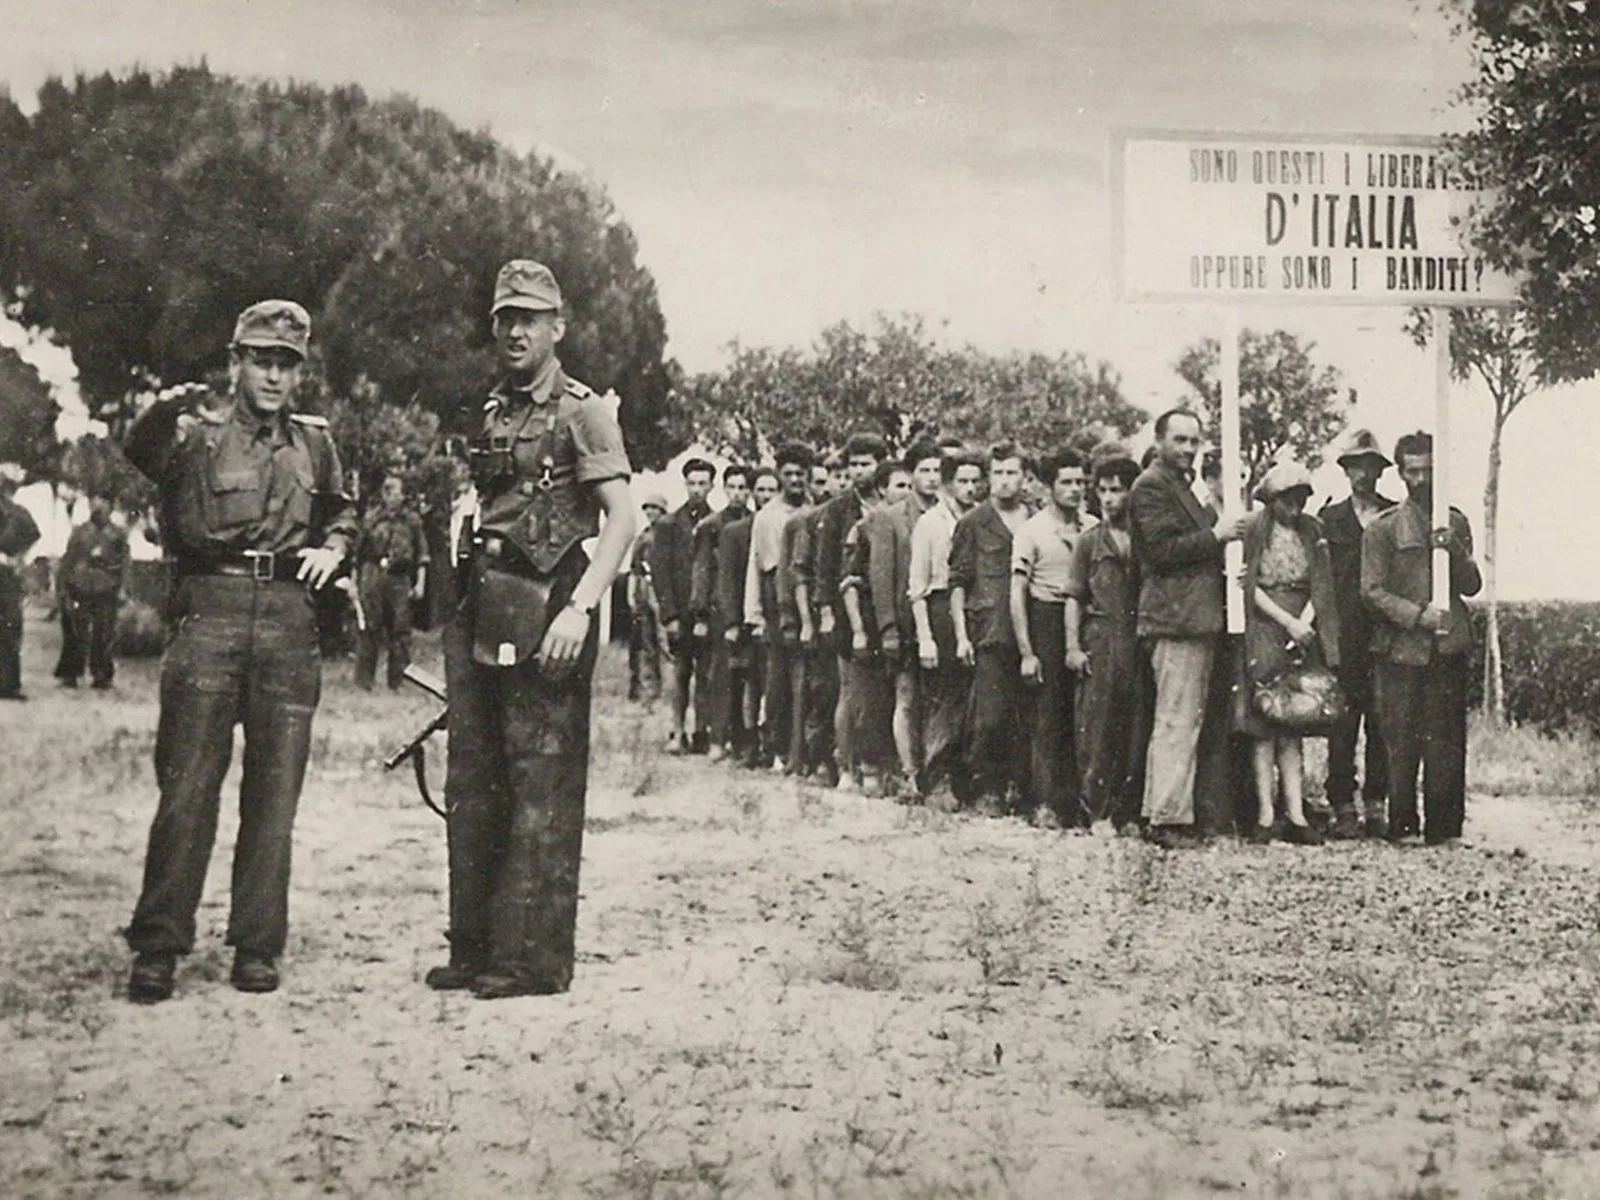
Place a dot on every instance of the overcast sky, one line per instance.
(786, 163)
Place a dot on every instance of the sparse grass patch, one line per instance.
(859, 949)
(1520, 761)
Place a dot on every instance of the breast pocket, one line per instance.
(234, 498)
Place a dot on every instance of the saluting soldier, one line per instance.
(394, 572)
(254, 517)
(548, 459)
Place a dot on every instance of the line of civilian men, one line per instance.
(902, 625)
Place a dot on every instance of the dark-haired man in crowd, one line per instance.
(945, 681)
(672, 571)
(820, 666)
(1112, 713)
(1344, 524)
(1419, 651)
(874, 722)
(887, 544)
(761, 607)
(1182, 613)
(863, 453)
(717, 707)
(1041, 575)
(980, 606)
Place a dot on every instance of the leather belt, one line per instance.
(264, 566)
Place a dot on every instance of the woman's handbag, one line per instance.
(1304, 697)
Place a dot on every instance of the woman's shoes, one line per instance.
(1302, 835)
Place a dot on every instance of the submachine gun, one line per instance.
(416, 747)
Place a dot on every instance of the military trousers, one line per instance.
(244, 653)
(10, 632)
(386, 601)
(88, 633)
(515, 792)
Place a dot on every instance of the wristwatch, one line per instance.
(576, 607)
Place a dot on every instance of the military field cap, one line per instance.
(655, 500)
(523, 283)
(1283, 477)
(1362, 443)
(274, 323)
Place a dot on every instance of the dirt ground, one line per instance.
(785, 992)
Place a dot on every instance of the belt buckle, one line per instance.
(262, 563)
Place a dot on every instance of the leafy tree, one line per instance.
(1286, 401)
(1535, 95)
(27, 415)
(897, 380)
(1498, 348)
(139, 214)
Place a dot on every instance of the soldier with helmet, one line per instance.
(254, 518)
(547, 460)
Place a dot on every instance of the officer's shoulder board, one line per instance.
(578, 389)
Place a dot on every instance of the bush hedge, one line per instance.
(1551, 652)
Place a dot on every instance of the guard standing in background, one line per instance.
(547, 460)
(254, 515)
(394, 572)
(18, 533)
(92, 576)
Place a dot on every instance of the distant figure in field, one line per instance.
(393, 575)
(17, 533)
(90, 580)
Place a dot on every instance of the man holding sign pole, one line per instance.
(1182, 613)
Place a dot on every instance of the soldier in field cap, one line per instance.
(547, 460)
(254, 518)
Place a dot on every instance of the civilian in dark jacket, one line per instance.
(1420, 652)
(1178, 543)
(980, 606)
(1343, 524)
(671, 571)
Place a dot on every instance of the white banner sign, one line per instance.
(1259, 219)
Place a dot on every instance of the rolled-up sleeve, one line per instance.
(597, 438)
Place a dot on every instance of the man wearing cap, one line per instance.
(92, 575)
(254, 516)
(394, 572)
(672, 572)
(547, 460)
(1343, 524)
(18, 533)
(644, 613)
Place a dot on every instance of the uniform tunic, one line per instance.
(244, 652)
(519, 737)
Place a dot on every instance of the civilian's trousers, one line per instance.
(1182, 670)
(1051, 752)
(1423, 714)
